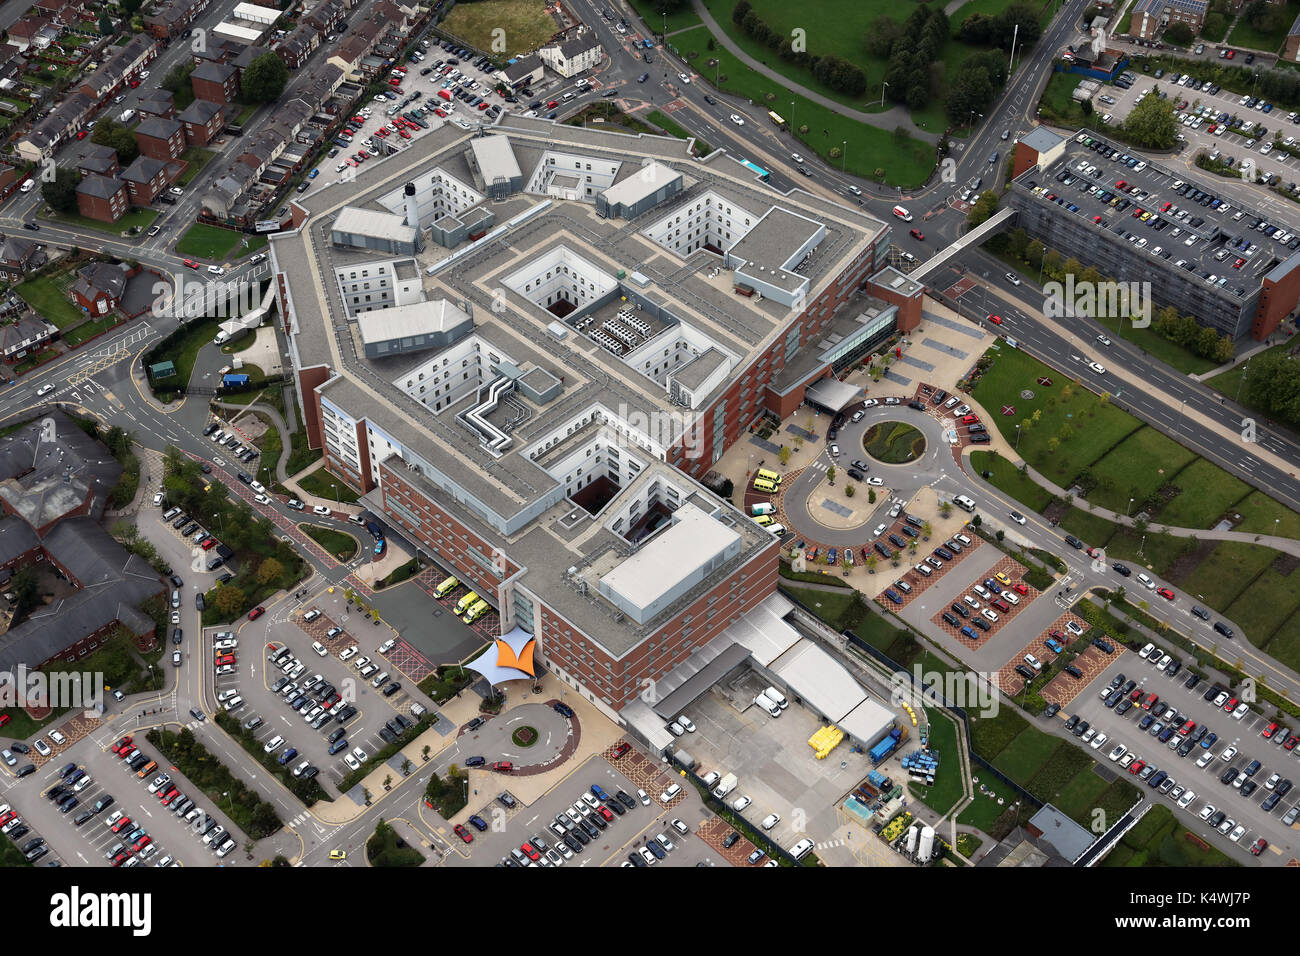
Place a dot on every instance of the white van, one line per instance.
(271, 745)
(27, 186)
(1146, 582)
(762, 508)
(902, 213)
(964, 503)
(768, 705)
(776, 697)
(311, 615)
(924, 570)
(567, 96)
(776, 529)
(801, 849)
(380, 678)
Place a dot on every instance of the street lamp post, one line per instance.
(221, 522)
(1129, 508)
(1017, 438)
(336, 493)
(844, 155)
(883, 86)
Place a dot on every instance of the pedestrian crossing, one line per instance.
(831, 844)
(299, 819)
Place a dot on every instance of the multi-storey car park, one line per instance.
(1138, 221)
(525, 348)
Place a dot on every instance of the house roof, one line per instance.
(29, 329)
(102, 278)
(16, 249)
(213, 72)
(100, 186)
(200, 111)
(158, 127)
(143, 170)
(41, 480)
(98, 159)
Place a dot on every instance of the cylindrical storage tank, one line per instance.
(927, 844)
(911, 838)
(412, 208)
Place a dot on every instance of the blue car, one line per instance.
(831, 555)
(338, 745)
(893, 596)
(654, 847)
(478, 823)
(1209, 740)
(993, 585)
(598, 793)
(475, 761)
(1053, 644)
(313, 174)
(564, 710)
(288, 755)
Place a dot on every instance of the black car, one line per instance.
(961, 609)
(1104, 646)
(346, 714)
(1072, 722)
(506, 800)
(643, 77)
(730, 840)
(1223, 629)
(626, 799)
(1124, 706)
(387, 735)
(1228, 775)
(1214, 691)
(1080, 728)
(1051, 710)
(617, 807)
(1122, 569)
(1074, 542)
(979, 622)
(949, 619)
(392, 689)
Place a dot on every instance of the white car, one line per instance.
(45, 389)
(322, 511)
(176, 191)
(686, 723)
(262, 499)
(1238, 832)
(1207, 811)
(990, 614)
(1241, 711)
(736, 119)
(349, 653)
(1119, 751)
(1097, 368)
(1017, 517)
(1103, 340)
(1099, 741)
(159, 498)
(258, 487)
(873, 480)
(1228, 753)
(683, 77)
(352, 762)
(1204, 759)
(796, 157)
(1187, 797)
(740, 803)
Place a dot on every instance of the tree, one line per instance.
(105, 25)
(872, 562)
(830, 474)
(784, 455)
(1034, 251)
(269, 571)
(229, 599)
(178, 77)
(926, 530)
(881, 37)
(61, 192)
(407, 767)
(109, 132)
(871, 496)
(739, 10)
(983, 208)
(945, 508)
(1152, 123)
(264, 79)
(1179, 34)
(850, 490)
(424, 753)
(26, 588)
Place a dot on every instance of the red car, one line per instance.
(464, 834)
(208, 543)
(256, 612)
(504, 766)
(1230, 54)
(1122, 184)
(172, 794)
(1150, 701)
(1136, 695)
(604, 812)
(621, 749)
(134, 84)
(190, 262)
(1165, 593)
(143, 842)
(119, 859)
(1291, 742)
(1021, 588)
(122, 744)
(121, 824)
(4, 719)
(404, 134)
(552, 104)
(1231, 705)
(530, 852)
(917, 234)
(1269, 731)
(81, 134)
(225, 659)
(1001, 605)
(400, 69)
(1097, 220)
(1258, 847)
(995, 319)
(1136, 767)
(970, 419)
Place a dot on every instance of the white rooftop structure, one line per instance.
(244, 35)
(416, 318)
(826, 686)
(370, 222)
(670, 564)
(256, 13)
(495, 158)
(645, 182)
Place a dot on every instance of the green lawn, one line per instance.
(1090, 427)
(1245, 35)
(947, 789)
(893, 442)
(1006, 477)
(197, 159)
(869, 148)
(141, 219)
(1266, 515)
(1022, 758)
(1160, 840)
(841, 611)
(526, 23)
(679, 19)
(1265, 608)
(48, 297)
(1208, 492)
(1227, 571)
(202, 241)
(1228, 383)
(88, 330)
(338, 543)
(985, 809)
(324, 484)
(1136, 468)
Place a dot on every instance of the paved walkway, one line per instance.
(888, 120)
(1243, 356)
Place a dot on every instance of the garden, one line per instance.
(893, 442)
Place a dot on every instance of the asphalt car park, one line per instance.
(578, 824)
(1152, 737)
(303, 700)
(27, 838)
(1228, 142)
